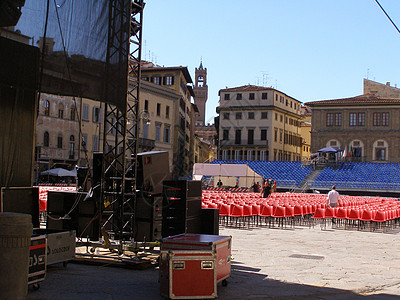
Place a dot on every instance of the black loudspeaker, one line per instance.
(210, 221)
(148, 217)
(181, 207)
(24, 200)
(69, 211)
(152, 170)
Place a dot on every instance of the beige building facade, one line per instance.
(258, 123)
(367, 126)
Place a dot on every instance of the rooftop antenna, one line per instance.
(145, 50)
(265, 78)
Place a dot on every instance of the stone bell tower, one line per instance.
(201, 93)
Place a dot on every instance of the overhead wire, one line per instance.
(377, 2)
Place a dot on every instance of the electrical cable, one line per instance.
(387, 16)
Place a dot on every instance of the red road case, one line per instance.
(219, 245)
(188, 274)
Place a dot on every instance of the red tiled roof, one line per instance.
(358, 100)
(246, 88)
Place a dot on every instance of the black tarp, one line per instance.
(82, 27)
(18, 79)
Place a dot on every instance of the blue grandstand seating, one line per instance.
(346, 175)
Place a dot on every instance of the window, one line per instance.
(280, 136)
(377, 119)
(145, 78)
(276, 97)
(96, 114)
(238, 116)
(251, 115)
(361, 119)
(47, 108)
(353, 119)
(225, 135)
(226, 97)
(338, 119)
(84, 141)
(239, 96)
(291, 104)
(238, 136)
(85, 115)
(72, 116)
(276, 136)
(146, 105)
(264, 96)
(357, 119)
(158, 109)
(61, 111)
(166, 134)
(380, 154)
(263, 134)
(59, 141)
(276, 117)
(251, 96)
(264, 115)
(385, 119)
(329, 119)
(71, 147)
(200, 81)
(281, 118)
(169, 80)
(167, 112)
(46, 139)
(250, 136)
(95, 143)
(157, 80)
(226, 116)
(145, 130)
(158, 132)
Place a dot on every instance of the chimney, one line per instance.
(388, 83)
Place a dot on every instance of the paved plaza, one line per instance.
(269, 263)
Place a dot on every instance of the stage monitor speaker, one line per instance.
(210, 221)
(152, 170)
(68, 211)
(24, 200)
(182, 189)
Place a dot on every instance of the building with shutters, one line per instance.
(258, 123)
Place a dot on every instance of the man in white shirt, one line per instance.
(333, 197)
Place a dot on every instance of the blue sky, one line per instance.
(308, 49)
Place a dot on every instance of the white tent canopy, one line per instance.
(228, 174)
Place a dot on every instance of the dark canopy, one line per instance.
(329, 150)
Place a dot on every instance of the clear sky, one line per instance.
(309, 49)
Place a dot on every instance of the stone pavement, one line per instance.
(269, 263)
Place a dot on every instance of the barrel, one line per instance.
(15, 239)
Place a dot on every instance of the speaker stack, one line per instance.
(181, 207)
(69, 211)
(148, 217)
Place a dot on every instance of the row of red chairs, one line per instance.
(290, 205)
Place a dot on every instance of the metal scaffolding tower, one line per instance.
(120, 140)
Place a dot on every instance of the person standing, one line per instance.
(333, 197)
(266, 190)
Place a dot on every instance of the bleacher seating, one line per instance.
(285, 173)
(345, 175)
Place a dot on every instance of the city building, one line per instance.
(179, 110)
(258, 123)
(365, 127)
(305, 133)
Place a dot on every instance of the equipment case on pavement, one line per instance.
(37, 260)
(219, 245)
(188, 274)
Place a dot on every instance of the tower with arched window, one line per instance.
(201, 93)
